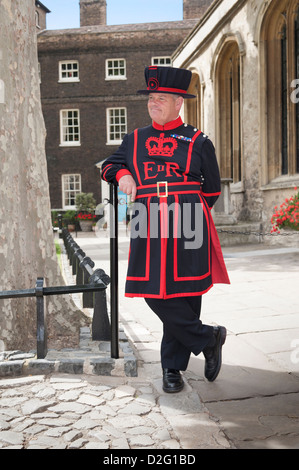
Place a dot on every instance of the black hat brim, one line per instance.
(147, 92)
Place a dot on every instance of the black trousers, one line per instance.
(183, 331)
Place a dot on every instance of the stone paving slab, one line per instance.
(87, 412)
(260, 310)
(260, 422)
(253, 404)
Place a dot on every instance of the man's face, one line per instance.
(164, 107)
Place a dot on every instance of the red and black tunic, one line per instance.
(176, 170)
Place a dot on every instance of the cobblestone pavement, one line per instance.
(70, 412)
(84, 411)
(252, 404)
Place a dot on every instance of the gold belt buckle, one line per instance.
(165, 190)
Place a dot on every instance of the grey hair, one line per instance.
(175, 96)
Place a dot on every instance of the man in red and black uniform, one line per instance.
(170, 170)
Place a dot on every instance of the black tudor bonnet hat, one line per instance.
(167, 80)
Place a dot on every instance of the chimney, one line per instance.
(195, 8)
(93, 12)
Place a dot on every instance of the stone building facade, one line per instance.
(244, 55)
(89, 81)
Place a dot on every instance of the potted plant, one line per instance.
(69, 219)
(54, 216)
(85, 204)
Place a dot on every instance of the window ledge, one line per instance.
(236, 187)
(115, 78)
(115, 142)
(70, 144)
(72, 80)
(282, 182)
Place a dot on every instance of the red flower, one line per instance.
(82, 216)
(287, 215)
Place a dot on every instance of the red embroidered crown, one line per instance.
(161, 146)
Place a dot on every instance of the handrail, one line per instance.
(91, 281)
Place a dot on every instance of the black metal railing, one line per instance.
(40, 291)
(82, 269)
(92, 284)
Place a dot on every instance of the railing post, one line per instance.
(59, 225)
(79, 256)
(101, 329)
(41, 324)
(88, 297)
(114, 271)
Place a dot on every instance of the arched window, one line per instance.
(37, 18)
(193, 106)
(284, 102)
(280, 108)
(228, 115)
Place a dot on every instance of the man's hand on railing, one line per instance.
(128, 186)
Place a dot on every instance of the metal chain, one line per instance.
(120, 201)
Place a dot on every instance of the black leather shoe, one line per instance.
(213, 354)
(172, 381)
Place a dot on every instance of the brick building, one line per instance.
(40, 15)
(89, 79)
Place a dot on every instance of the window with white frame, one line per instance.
(160, 61)
(71, 186)
(69, 71)
(116, 69)
(69, 127)
(116, 125)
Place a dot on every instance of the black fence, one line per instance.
(40, 292)
(92, 284)
(82, 268)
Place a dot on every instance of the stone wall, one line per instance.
(26, 238)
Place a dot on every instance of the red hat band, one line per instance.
(167, 90)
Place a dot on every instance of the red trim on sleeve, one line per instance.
(105, 171)
(122, 173)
